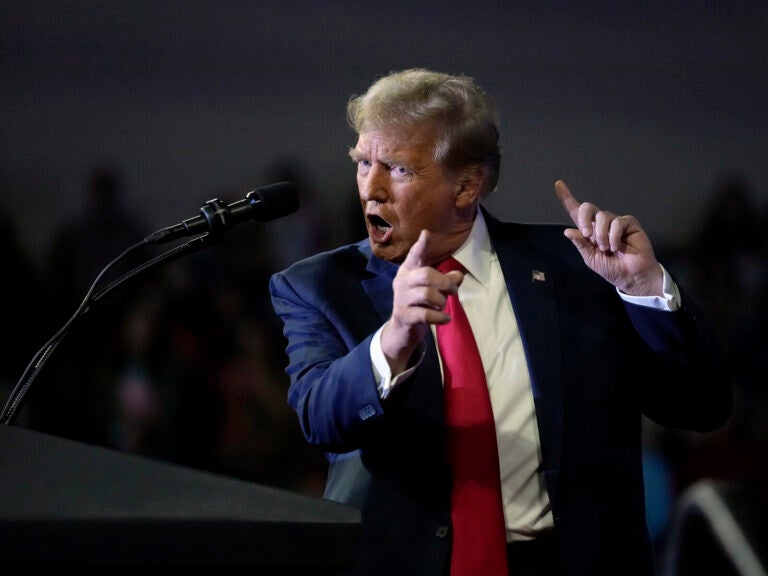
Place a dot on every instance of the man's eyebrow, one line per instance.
(355, 154)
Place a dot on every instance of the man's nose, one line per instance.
(374, 185)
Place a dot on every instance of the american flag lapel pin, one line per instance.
(538, 276)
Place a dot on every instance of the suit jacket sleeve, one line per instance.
(328, 324)
(695, 391)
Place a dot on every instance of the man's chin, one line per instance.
(387, 251)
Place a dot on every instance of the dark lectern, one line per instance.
(62, 500)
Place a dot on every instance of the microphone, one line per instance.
(263, 204)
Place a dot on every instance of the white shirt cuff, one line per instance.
(669, 302)
(385, 381)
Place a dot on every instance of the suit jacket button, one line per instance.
(366, 412)
(442, 532)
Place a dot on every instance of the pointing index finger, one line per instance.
(570, 203)
(418, 252)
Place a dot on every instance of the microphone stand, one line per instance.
(16, 398)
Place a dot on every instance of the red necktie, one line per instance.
(479, 533)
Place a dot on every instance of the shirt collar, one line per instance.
(475, 253)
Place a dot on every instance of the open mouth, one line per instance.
(379, 229)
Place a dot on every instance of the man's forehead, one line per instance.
(396, 142)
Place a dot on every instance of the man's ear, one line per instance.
(470, 186)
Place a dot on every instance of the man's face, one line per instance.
(404, 190)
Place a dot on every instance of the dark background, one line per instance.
(637, 105)
(118, 118)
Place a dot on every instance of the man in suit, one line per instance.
(580, 332)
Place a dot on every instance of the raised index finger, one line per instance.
(418, 252)
(570, 203)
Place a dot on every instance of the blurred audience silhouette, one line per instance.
(729, 259)
(725, 264)
(72, 397)
(20, 294)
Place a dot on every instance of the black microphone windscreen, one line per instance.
(274, 201)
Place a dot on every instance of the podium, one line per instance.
(65, 501)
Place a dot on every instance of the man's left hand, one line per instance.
(615, 247)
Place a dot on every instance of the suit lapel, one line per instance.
(530, 281)
(378, 287)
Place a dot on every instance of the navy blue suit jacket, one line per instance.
(597, 365)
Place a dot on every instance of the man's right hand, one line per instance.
(419, 297)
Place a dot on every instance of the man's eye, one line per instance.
(399, 170)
